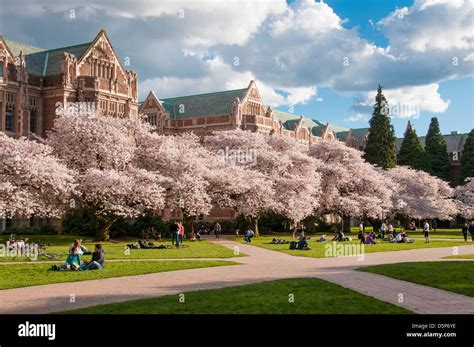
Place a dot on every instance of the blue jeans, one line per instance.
(175, 238)
(93, 265)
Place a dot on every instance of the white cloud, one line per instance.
(357, 117)
(221, 77)
(431, 25)
(408, 102)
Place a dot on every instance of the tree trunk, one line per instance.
(346, 224)
(253, 221)
(102, 234)
(310, 222)
(188, 222)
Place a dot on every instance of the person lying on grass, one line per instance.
(73, 261)
(146, 245)
(98, 260)
(276, 241)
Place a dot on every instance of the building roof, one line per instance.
(358, 133)
(44, 62)
(455, 142)
(47, 62)
(201, 105)
(290, 120)
(16, 47)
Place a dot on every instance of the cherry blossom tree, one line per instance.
(420, 195)
(102, 151)
(351, 186)
(297, 181)
(32, 181)
(465, 198)
(183, 162)
(278, 176)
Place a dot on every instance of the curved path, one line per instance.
(260, 265)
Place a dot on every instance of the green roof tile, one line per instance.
(201, 105)
(16, 47)
(455, 142)
(47, 62)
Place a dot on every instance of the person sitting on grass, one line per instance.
(196, 236)
(322, 238)
(370, 239)
(80, 248)
(73, 261)
(248, 236)
(98, 260)
(339, 236)
(303, 244)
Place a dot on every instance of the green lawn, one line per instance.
(311, 296)
(465, 256)
(453, 276)
(25, 275)
(116, 250)
(318, 248)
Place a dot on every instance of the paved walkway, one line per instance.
(261, 265)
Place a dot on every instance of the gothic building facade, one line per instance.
(34, 82)
(243, 108)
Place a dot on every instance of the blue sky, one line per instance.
(458, 117)
(324, 59)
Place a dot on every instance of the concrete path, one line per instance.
(261, 265)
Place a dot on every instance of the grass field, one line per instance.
(26, 275)
(319, 251)
(117, 250)
(311, 296)
(465, 256)
(453, 276)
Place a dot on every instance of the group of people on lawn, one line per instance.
(74, 261)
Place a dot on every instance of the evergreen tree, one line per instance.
(381, 142)
(411, 152)
(467, 159)
(437, 150)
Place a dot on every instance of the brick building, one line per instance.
(35, 81)
(231, 109)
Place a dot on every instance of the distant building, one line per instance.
(455, 142)
(243, 108)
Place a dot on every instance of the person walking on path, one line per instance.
(217, 230)
(426, 231)
(174, 228)
(465, 229)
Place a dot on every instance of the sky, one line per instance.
(322, 59)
